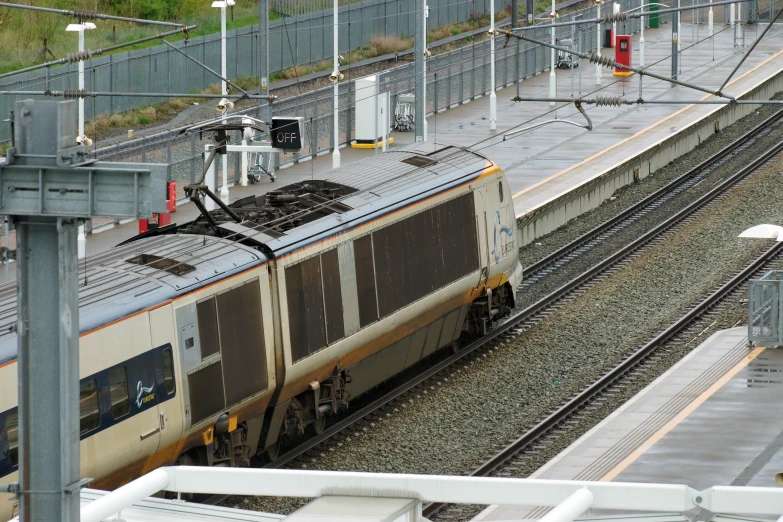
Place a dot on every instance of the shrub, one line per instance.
(385, 44)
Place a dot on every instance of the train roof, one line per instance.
(136, 276)
(300, 214)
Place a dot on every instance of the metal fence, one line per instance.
(764, 306)
(453, 78)
(301, 39)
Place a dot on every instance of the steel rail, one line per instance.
(525, 315)
(652, 198)
(589, 393)
(633, 360)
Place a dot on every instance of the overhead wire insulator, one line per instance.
(79, 56)
(609, 101)
(85, 14)
(70, 94)
(602, 60)
(615, 17)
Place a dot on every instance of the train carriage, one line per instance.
(210, 342)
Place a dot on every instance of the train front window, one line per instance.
(118, 391)
(168, 370)
(12, 429)
(88, 405)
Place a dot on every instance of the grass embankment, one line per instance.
(22, 32)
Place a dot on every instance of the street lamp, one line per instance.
(552, 75)
(493, 102)
(336, 77)
(81, 139)
(222, 4)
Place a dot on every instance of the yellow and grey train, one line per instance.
(210, 342)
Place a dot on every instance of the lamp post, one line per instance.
(335, 79)
(81, 138)
(552, 75)
(493, 101)
(598, 44)
(222, 4)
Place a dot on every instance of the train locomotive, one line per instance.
(211, 342)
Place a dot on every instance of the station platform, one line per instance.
(554, 160)
(712, 419)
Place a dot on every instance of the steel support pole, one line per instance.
(336, 94)
(263, 66)
(493, 100)
(552, 75)
(48, 366)
(710, 21)
(224, 85)
(598, 44)
(418, 59)
(82, 240)
(424, 67)
(530, 11)
(211, 176)
(514, 13)
(675, 39)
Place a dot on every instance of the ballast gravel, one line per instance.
(452, 424)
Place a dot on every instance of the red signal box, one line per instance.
(622, 55)
(164, 218)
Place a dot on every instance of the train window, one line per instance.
(333, 298)
(305, 307)
(429, 250)
(118, 391)
(12, 430)
(242, 341)
(207, 327)
(365, 280)
(88, 405)
(168, 370)
(500, 189)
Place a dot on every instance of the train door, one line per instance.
(481, 228)
(170, 416)
(143, 386)
(500, 233)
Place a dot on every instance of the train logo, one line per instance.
(143, 394)
(502, 244)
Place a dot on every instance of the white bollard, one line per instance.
(243, 167)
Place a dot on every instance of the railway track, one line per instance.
(517, 323)
(693, 322)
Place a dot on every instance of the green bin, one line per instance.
(653, 18)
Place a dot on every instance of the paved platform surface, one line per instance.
(551, 160)
(710, 420)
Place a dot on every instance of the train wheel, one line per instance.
(272, 452)
(317, 427)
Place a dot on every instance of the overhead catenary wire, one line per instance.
(143, 143)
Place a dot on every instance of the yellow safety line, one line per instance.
(627, 461)
(641, 131)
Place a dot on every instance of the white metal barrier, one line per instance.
(570, 498)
